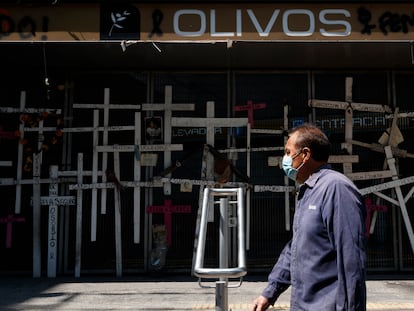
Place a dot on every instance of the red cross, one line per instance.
(167, 209)
(250, 107)
(6, 135)
(9, 220)
(370, 208)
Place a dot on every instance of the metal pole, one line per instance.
(221, 296)
(221, 286)
(224, 234)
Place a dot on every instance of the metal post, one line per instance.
(221, 286)
(222, 301)
(224, 234)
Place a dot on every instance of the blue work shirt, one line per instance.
(325, 260)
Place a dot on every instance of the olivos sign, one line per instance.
(208, 22)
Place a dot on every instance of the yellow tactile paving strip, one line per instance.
(370, 306)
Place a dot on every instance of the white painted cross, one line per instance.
(396, 183)
(117, 204)
(95, 172)
(168, 107)
(106, 106)
(37, 252)
(349, 107)
(210, 123)
(117, 211)
(390, 140)
(79, 198)
(53, 201)
(20, 110)
(137, 149)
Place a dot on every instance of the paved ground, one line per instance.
(164, 293)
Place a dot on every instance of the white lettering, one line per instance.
(324, 20)
(362, 122)
(197, 33)
(260, 31)
(213, 27)
(305, 33)
(290, 19)
(239, 31)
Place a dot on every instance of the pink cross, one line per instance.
(250, 107)
(370, 208)
(9, 220)
(6, 135)
(167, 209)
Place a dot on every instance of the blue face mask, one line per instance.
(289, 170)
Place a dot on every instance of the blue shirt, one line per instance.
(325, 260)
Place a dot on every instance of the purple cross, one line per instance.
(167, 209)
(371, 208)
(250, 107)
(9, 220)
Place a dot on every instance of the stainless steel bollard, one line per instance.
(223, 272)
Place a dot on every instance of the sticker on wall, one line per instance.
(119, 22)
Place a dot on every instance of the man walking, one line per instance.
(324, 263)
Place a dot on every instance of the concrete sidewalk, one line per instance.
(167, 293)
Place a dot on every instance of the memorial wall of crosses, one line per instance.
(119, 165)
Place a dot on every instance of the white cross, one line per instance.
(20, 110)
(168, 107)
(106, 106)
(349, 106)
(390, 140)
(210, 123)
(137, 167)
(95, 173)
(53, 200)
(396, 183)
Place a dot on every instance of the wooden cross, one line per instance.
(210, 123)
(168, 107)
(53, 201)
(349, 106)
(371, 207)
(391, 140)
(96, 129)
(396, 183)
(106, 106)
(168, 209)
(116, 149)
(5, 164)
(137, 149)
(250, 107)
(20, 110)
(9, 220)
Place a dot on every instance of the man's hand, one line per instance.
(260, 304)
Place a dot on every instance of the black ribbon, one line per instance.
(157, 17)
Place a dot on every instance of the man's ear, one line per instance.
(307, 153)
